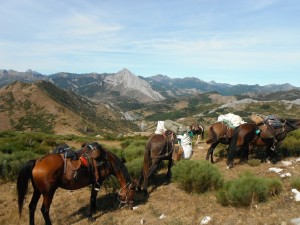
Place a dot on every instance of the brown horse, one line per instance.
(158, 148)
(218, 133)
(48, 173)
(197, 130)
(248, 135)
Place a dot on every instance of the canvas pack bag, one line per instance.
(257, 119)
(175, 127)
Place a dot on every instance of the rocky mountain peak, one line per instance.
(124, 79)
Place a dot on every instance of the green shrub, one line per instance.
(125, 143)
(295, 183)
(274, 186)
(134, 167)
(196, 176)
(248, 189)
(253, 162)
(291, 144)
(134, 150)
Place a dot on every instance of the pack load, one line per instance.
(173, 126)
(258, 119)
(231, 120)
(273, 121)
(160, 128)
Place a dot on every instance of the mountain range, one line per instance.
(68, 103)
(124, 86)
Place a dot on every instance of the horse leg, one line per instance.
(140, 180)
(93, 205)
(230, 158)
(32, 205)
(211, 151)
(144, 176)
(148, 174)
(198, 139)
(46, 206)
(271, 155)
(170, 163)
(244, 154)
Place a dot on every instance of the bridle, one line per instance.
(126, 202)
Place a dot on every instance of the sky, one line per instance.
(226, 41)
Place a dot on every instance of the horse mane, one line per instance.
(117, 164)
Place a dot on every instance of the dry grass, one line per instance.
(166, 198)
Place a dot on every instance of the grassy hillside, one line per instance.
(45, 108)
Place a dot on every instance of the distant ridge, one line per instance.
(125, 86)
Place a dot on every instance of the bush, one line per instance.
(291, 144)
(134, 150)
(196, 176)
(295, 183)
(248, 189)
(134, 167)
(274, 186)
(254, 162)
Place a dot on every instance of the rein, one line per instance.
(125, 202)
(120, 168)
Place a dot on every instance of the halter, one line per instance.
(125, 202)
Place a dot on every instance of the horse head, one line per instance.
(126, 194)
(291, 124)
(127, 190)
(197, 129)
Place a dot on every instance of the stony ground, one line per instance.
(166, 200)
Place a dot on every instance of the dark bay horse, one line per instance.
(199, 131)
(248, 135)
(217, 133)
(48, 173)
(159, 147)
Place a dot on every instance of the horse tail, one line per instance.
(212, 136)
(202, 133)
(232, 147)
(22, 182)
(234, 139)
(147, 156)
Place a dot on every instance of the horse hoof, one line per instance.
(91, 219)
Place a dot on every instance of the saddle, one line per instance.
(71, 168)
(72, 161)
